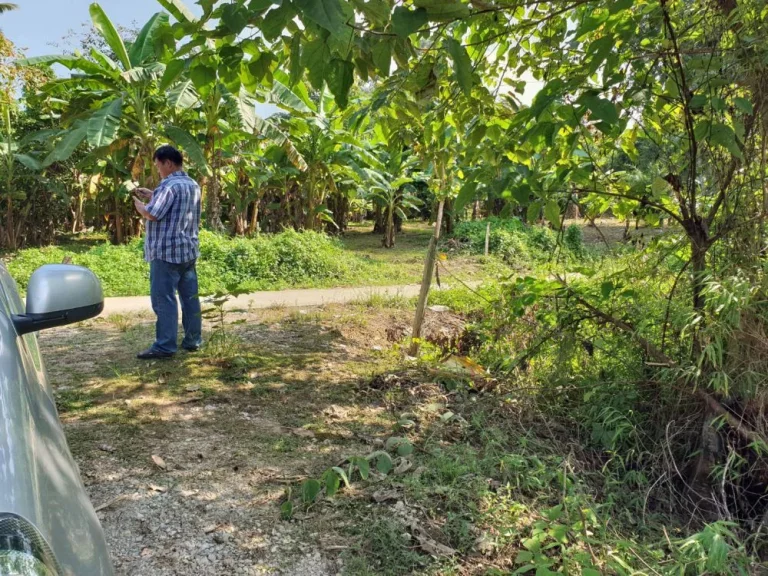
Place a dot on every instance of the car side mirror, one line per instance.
(59, 294)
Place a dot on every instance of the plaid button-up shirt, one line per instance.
(173, 237)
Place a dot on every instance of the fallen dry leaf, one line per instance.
(303, 433)
(383, 495)
(193, 388)
(434, 548)
(159, 462)
(111, 502)
(156, 488)
(403, 466)
(210, 528)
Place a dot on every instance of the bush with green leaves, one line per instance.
(516, 242)
(267, 262)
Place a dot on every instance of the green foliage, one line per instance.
(264, 263)
(517, 243)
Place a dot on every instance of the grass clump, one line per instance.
(276, 261)
(516, 242)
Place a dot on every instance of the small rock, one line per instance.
(106, 448)
(222, 537)
(438, 308)
(377, 348)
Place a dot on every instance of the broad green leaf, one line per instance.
(286, 510)
(69, 62)
(104, 25)
(606, 289)
(234, 17)
(381, 52)
(598, 51)
(261, 5)
(296, 69)
(317, 58)
(552, 213)
(620, 5)
(269, 130)
(659, 187)
(173, 70)
(103, 60)
(724, 136)
(744, 105)
(466, 195)
(332, 483)
(532, 214)
(362, 465)
(443, 10)
(103, 125)
(375, 11)
(462, 65)
(183, 96)
(284, 97)
(152, 71)
(602, 109)
(178, 10)
(143, 48)
(551, 91)
(242, 110)
(698, 101)
(341, 76)
(67, 145)
(523, 557)
(309, 490)
(384, 463)
(405, 22)
(702, 129)
(28, 161)
(202, 76)
(342, 475)
(190, 145)
(328, 14)
(261, 67)
(276, 20)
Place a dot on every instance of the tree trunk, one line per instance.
(475, 210)
(379, 223)
(389, 235)
(253, 227)
(572, 212)
(426, 282)
(487, 237)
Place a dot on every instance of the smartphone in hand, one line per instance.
(143, 193)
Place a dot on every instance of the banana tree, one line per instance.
(392, 189)
(113, 105)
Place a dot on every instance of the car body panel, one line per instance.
(39, 480)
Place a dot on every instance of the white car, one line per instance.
(47, 524)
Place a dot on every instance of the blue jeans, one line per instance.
(165, 279)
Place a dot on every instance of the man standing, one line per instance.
(171, 247)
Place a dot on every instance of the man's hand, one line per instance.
(144, 193)
(141, 208)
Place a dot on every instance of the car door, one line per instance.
(39, 478)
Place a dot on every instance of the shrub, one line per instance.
(268, 262)
(515, 242)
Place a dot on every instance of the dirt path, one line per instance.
(276, 397)
(282, 298)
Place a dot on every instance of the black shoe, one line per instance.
(150, 354)
(191, 349)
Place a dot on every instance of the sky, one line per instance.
(37, 23)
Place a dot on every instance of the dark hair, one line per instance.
(168, 153)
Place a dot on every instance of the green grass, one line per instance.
(270, 262)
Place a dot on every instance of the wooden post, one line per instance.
(426, 281)
(487, 236)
